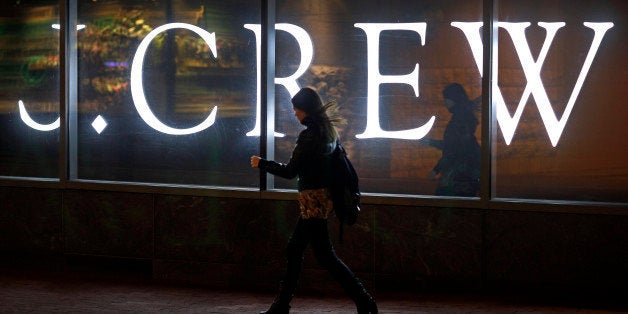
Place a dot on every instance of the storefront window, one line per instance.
(560, 109)
(29, 89)
(387, 66)
(167, 91)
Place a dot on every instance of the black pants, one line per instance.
(315, 232)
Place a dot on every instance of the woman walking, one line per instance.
(310, 163)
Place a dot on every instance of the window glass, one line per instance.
(167, 91)
(561, 134)
(29, 89)
(395, 131)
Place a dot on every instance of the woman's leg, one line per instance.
(325, 254)
(294, 255)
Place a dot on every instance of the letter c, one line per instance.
(137, 87)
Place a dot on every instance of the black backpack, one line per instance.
(344, 188)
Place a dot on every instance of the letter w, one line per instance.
(532, 71)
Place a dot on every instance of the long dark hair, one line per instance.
(327, 116)
(459, 96)
(330, 118)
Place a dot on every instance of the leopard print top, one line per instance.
(315, 203)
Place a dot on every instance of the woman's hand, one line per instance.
(255, 161)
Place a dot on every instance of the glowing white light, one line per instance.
(307, 54)
(471, 30)
(78, 27)
(375, 78)
(30, 122)
(256, 28)
(99, 124)
(137, 87)
(532, 70)
(290, 83)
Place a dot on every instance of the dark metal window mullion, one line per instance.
(489, 41)
(68, 91)
(267, 110)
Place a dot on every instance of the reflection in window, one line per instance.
(184, 77)
(559, 116)
(29, 89)
(340, 71)
(585, 158)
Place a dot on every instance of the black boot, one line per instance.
(366, 304)
(277, 308)
(281, 304)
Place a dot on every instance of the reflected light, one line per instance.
(471, 31)
(375, 79)
(115, 64)
(30, 122)
(534, 86)
(532, 71)
(99, 124)
(137, 86)
(78, 27)
(307, 54)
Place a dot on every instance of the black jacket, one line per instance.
(310, 160)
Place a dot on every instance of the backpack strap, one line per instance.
(341, 223)
(341, 231)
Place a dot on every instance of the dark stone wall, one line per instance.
(30, 221)
(238, 243)
(108, 223)
(525, 248)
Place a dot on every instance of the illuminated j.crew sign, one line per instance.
(508, 124)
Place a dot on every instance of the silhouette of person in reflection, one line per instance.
(458, 170)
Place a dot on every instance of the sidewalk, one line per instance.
(56, 294)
